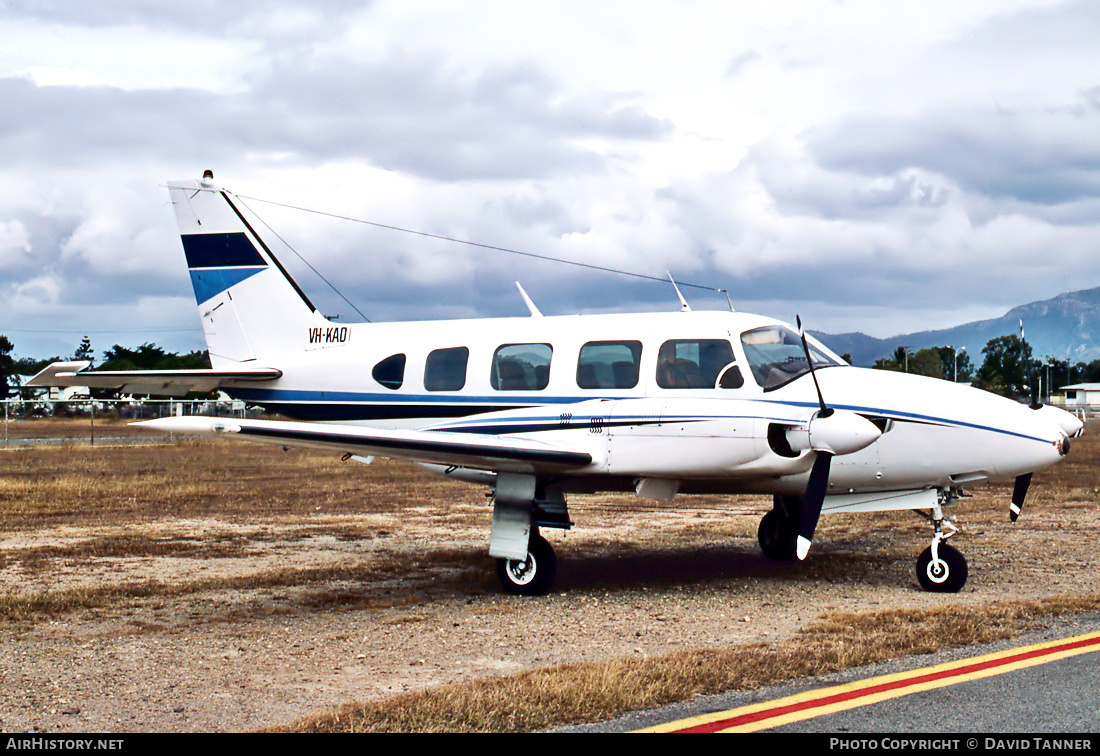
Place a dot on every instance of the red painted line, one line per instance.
(889, 686)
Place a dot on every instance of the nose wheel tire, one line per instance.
(944, 575)
(532, 576)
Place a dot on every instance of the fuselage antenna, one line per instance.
(527, 300)
(684, 307)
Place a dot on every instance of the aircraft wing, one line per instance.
(484, 452)
(156, 382)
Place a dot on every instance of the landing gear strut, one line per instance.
(526, 564)
(941, 568)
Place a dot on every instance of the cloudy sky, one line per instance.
(884, 167)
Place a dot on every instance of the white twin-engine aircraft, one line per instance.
(540, 407)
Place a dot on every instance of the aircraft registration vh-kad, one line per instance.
(537, 408)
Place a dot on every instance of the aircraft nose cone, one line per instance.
(1052, 428)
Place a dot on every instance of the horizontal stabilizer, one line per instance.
(154, 382)
(434, 447)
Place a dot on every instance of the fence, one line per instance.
(19, 413)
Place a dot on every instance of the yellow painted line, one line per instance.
(816, 703)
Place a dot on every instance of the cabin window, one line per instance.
(731, 378)
(776, 356)
(390, 372)
(521, 367)
(445, 369)
(609, 364)
(696, 364)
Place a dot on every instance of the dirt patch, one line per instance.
(217, 587)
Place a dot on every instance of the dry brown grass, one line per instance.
(68, 510)
(557, 696)
(80, 484)
(324, 589)
(78, 428)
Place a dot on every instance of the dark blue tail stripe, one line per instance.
(220, 251)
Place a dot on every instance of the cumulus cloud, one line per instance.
(841, 160)
(15, 244)
(1042, 156)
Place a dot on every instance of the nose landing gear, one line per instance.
(940, 567)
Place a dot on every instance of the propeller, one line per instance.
(1019, 490)
(818, 484)
(829, 432)
(1035, 404)
(1019, 493)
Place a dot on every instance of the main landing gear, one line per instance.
(532, 576)
(526, 564)
(778, 529)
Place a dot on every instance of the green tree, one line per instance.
(901, 357)
(31, 366)
(926, 362)
(895, 361)
(1005, 369)
(151, 357)
(84, 351)
(1085, 373)
(950, 357)
(7, 367)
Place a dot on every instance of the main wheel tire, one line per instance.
(948, 575)
(777, 536)
(532, 576)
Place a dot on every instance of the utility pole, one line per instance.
(955, 374)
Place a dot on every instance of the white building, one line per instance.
(1084, 397)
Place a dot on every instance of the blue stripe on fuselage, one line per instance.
(344, 405)
(912, 417)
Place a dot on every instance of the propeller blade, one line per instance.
(1033, 389)
(816, 489)
(1019, 493)
(818, 485)
(825, 411)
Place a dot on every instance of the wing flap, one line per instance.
(486, 452)
(156, 382)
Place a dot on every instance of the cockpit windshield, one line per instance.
(776, 358)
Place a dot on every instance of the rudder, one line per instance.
(249, 305)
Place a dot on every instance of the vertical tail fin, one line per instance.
(250, 306)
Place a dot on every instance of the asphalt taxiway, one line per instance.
(1047, 681)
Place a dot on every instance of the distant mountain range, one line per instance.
(1066, 327)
